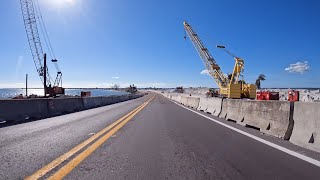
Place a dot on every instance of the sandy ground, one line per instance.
(306, 95)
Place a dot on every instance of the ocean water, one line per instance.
(10, 93)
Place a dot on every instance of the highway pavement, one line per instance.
(146, 138)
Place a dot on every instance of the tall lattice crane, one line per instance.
(31, 13)
(229, 87)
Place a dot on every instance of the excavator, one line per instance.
(230, 87)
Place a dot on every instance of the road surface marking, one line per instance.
(66, 169)
(283, 149)
(44, 170)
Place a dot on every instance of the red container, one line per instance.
(260, 96)
(293, 95)
(267, 95)
(85, 93)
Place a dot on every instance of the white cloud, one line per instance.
(204, 72)
(116, 77)
(299, 67)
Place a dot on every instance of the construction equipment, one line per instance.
(31, 13)
(266, 95)
(293, 95)
(179, 89)
(212, 93)
(132, 89)
(229, 87)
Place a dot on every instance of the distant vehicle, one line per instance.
(212, 93)
(179, 89)
(132, 89)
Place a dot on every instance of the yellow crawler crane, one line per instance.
(230, 87)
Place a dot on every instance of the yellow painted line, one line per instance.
(44, 170)
(65, 170)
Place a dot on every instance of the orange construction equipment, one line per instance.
(293, 95)
(267, 95)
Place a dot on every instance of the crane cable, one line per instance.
(44, 30)
(46, 36)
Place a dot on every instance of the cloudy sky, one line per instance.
(101, 43)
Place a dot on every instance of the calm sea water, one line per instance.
(10, 93)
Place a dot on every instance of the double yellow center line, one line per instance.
(66, 169)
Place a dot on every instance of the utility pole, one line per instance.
(45, 73)
(27, 85)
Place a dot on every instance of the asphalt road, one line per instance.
(162, 141)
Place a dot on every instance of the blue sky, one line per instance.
(99, 43)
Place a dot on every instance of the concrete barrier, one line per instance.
(203, 104)
(232, 110)
(92, 102)
(124, 98)
(32, 109)
(135, 96)
(306, 130)
(184, 100)
(24, 109)
(270, 117)
(106, 100)
(174, 97)
(214, 106)
(115, 99)
(193, 102)
(178, 98)
(58, 106)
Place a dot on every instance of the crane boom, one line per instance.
(39, 57)
(211, 65)
(30, 23)
(230, 87)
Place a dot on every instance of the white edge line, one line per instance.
(283, 149)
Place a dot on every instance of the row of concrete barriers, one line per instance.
(32, 109)
(298, 122)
